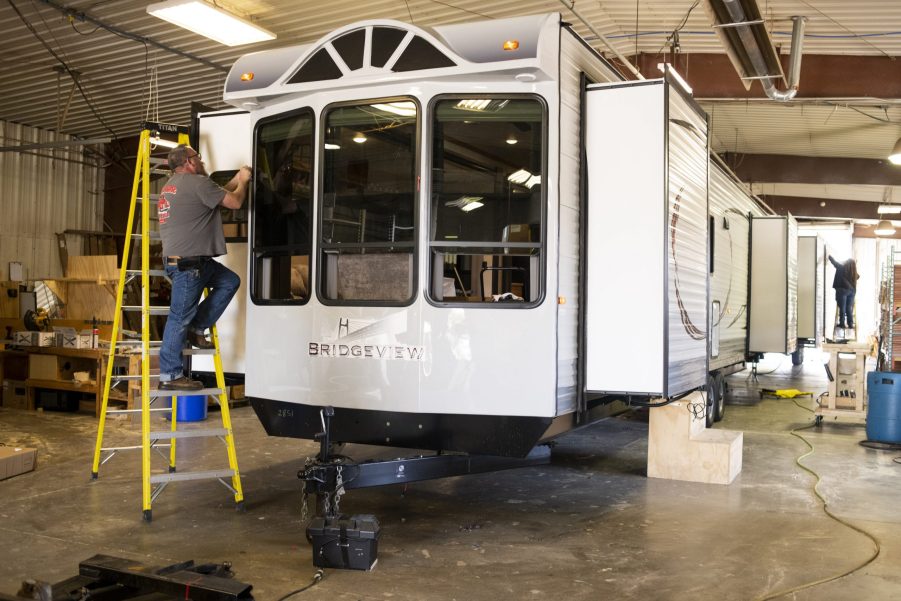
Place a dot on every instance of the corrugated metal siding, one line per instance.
(686, 248)
(574, 59)
(791, 318)
(729, 204)
(44, 192)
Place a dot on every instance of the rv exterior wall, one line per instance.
(731, 209)
(626, 278)
(809, 267)
(774, 285)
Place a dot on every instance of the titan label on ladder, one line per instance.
(150, 440)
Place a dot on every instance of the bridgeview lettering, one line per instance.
(366, 351)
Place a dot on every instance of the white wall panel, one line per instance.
(43, 192)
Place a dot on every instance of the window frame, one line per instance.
(430, 244)
(414, 244)
(251, 231)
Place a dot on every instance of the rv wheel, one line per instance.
(719, 397)
(711, 399)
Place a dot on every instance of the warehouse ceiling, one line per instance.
(96, 68)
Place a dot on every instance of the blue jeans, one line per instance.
(844, 298)
(184, 312)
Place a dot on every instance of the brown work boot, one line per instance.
(182, 383)
(198, 340)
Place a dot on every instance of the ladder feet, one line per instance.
(148, 515)
(240, 508)
(94, 475)
(171, 469)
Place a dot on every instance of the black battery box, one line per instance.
(344, 543)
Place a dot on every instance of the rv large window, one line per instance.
(486, 220)
(367, 226)
(282, 203)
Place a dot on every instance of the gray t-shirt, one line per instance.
(190, 223)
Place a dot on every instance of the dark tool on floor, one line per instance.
(106, 578)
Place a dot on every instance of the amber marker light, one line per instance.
(246, 76)
(511, 45)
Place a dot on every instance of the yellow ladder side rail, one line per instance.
(144, 153)
(117, 316)
(227, 420)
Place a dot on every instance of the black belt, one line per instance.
(185, 263)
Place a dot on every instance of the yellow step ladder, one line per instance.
(151, 439)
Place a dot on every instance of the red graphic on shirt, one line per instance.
(162, 205)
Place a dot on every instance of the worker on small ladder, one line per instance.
(845, 284)
(191, 232)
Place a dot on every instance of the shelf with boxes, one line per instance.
(847, 395)
(55, 378)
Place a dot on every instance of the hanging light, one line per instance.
(511, 140)
(895, 156)
(884, 228)
(210, 21)
(359, 137)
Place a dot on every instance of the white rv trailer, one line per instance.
(731, 209)
(418, 255)
(811, 287)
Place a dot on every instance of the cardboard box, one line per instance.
(66, 337)
(14, 394)
(26, 339)
(42, 367)
(46, 339)
(16, 460)
(85, 340)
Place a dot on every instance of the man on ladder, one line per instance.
(845, 284)
(191, 232)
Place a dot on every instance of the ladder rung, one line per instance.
(160, 172)
(153, 310)
(156, 392)
(138, 343)
(153, 409)
(158, 161)
(199, 351)
(151, 235)
(126, 378)
(167, 434)
(176, 477)
(150, 272)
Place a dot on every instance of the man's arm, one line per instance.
(236, 189)
(834, 262)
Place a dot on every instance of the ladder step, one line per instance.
(199, 351)
(176, 477)
(151, 343)
(167, 434)
(153, 310)
(160, 172)
(203, 391)
(152, 409)
(156, 161)
(130, 377)
(150, 272)
(151, 235)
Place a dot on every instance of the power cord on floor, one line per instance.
(318, 576)
(876, 546)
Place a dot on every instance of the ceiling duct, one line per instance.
(743, 33)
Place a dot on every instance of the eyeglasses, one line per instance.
(195, 156)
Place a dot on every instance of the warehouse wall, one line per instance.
(42, 192)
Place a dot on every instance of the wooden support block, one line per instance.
(680, 447)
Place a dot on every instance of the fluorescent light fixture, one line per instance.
(884, 228)
(403, 109)
(157, 141)
(889, 209)
(466, 203)
(524, 178)
(210, 21)
(330, 146)
(359, 138)
(895, 156)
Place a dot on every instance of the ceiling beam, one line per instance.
(790, 169)
(822, 75)
(802, 206)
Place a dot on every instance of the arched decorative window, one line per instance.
(376, 48)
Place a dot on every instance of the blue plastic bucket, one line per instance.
(884, 406)
(189, 408)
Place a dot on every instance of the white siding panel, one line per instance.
(44, 192)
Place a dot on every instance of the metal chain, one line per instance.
(339, 489)
(303, 507)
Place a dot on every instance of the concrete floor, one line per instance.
(590, 525)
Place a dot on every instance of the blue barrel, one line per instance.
(884, 406)
(190, 408)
